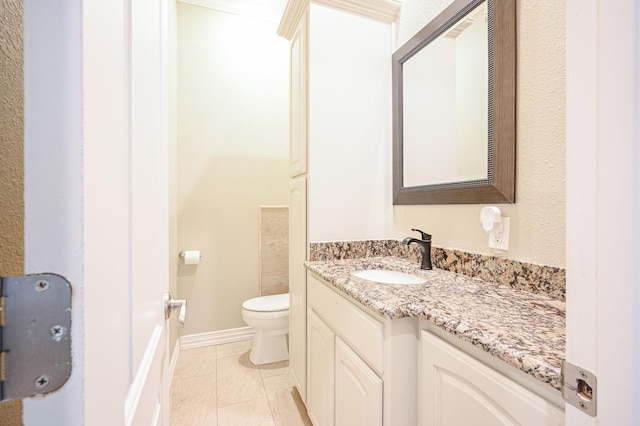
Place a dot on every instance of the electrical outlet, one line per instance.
(500, 240)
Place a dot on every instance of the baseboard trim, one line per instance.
(202, 340)
(174, 360)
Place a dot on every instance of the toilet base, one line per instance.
(268, 348)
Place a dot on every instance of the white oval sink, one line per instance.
(388, 277)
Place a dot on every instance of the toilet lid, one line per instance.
(274, 303)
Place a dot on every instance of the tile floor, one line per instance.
(218, 385)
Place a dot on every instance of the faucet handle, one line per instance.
(425, 237)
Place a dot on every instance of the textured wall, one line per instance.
(538, 217)
(11, 136)
(11, 162)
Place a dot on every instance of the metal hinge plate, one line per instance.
(579, 388)
(35, 335)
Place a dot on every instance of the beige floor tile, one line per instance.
(243, 393)
(238, 380)
(286, 406)
(249, 413)
(193, 401)
(196, 362)
(274, 369)
(235, 348)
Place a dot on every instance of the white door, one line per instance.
(96, 204)
(603, 204)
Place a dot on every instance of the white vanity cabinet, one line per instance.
(361, 370)
(343, 390)
(458, 389)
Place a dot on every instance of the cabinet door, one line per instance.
(358, 390)
(298, 284)
(299, 99)
(320, 370)
(457, 389)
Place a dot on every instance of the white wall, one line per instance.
(233, 152)
(349, 125)
(351, 153)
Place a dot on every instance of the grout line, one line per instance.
(266, 395)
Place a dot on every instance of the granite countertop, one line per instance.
(523, 329)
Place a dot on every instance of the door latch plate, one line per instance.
(35, 335)
(579, 388)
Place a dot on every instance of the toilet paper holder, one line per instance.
(190, 257)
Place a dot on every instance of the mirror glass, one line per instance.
(454, 107)
(446, 110)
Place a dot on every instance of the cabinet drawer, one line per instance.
(363, 333)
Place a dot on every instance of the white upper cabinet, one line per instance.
(299, 96)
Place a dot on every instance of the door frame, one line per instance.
(603, 203)
(53, 182)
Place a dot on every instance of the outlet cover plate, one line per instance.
(500, 240)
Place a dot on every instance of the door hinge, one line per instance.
(35, 335)
(579, 388)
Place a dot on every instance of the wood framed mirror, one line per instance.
(454, 88)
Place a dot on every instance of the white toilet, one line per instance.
(269, 317)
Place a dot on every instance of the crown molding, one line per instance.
(291, 17)
(248, 8)
(381, 10)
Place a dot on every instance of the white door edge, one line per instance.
(53, 185)
(603, 204)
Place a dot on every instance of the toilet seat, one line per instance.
(261, 316)
(273, 303)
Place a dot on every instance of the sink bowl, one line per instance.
(388, 277)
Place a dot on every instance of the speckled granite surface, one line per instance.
(540, 279)
(523, 329)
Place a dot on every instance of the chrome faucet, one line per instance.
(425, 247)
